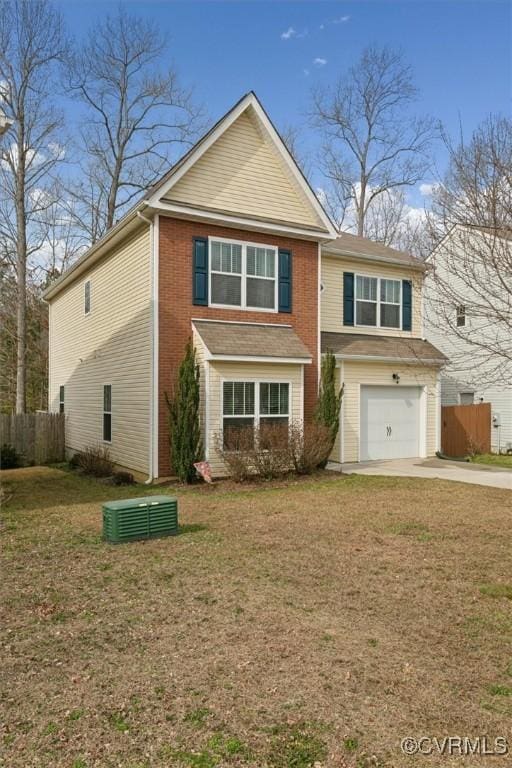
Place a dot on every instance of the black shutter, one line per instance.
(285, 280)
(200, 271)
(348, 298)
(406, 305)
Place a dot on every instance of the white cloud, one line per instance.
(290, 32)
(319, 62)
(339, 20)
(306, 72)
(427, 190)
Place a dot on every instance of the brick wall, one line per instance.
(176, 309)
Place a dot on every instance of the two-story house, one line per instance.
(233, 249)
(464, 302)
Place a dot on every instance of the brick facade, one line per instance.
(176, 309)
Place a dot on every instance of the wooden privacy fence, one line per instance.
(37, 437)
(465, 429)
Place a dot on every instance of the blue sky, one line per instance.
(460, 51)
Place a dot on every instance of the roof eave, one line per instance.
(417, 266)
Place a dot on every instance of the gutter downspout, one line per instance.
(154, 347)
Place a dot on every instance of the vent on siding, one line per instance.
(143, 518)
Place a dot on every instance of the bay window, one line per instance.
(243, 275)
(378, 302)
(249, 405)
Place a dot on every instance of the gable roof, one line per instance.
(362, 247)
(248, 108)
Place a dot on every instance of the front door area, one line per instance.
(390, 422)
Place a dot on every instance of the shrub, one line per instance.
(184, 430)
(122, 478)
(95, 461)
(327, 411)
(74, 461)
(274, 449)
(309, 447)
(9, 457)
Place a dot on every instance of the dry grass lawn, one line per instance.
(313, 624)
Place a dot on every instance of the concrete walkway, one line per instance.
(459, 471)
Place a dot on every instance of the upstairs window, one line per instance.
(243, 275)
(378, 302)
(107, 413)
(461, 316)
(61, 399)
(87, 297)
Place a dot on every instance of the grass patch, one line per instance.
(278, 604)
(296, 746)
(493, 459)
(500, 690)
(497, 590)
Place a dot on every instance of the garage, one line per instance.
(390, 422)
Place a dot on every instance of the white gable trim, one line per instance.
(248, 101)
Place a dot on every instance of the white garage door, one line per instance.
(390, 422)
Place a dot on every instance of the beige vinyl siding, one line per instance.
(355, 374)
(111, 345)
(246, 372)
(242, 173)
(332, 295)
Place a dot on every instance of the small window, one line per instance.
(107, 413)
(87, 297)
(467, 398)
(61, 399)
(461, 316)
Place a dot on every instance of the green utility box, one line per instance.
(145, 518)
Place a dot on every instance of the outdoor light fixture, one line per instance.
(396, 378)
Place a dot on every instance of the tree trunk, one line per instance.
(21, 275)
(361, 209)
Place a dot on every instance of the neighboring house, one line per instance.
(474, 374)
(233, 249)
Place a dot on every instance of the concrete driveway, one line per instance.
(459, 471)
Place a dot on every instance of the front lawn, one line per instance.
(494, 459)
(316, 624)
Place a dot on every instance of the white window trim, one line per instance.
(103, 412)
(88, 283)
(257, 415)
(378, 303)
(243, 303)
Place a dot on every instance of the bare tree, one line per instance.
(31, 45)
(372, 143)
(134, 116)
(470, 294)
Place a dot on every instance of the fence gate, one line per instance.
(465, 429)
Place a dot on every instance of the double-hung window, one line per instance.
(243, 275)
(378, 302)
(107, 413)
(248, 405)
(61, 398)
